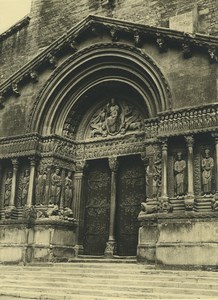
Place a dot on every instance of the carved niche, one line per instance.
(114, 119)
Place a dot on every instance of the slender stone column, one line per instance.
(14, 182)
(110, 246)
(164, 193)
(189, 199)
(78, 205)
(31, 182)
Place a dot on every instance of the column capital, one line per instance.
(113, 163)
(80, 165)
(164, 144)
(32, 160)
(189, 140)
(215, 136)
(15, 162)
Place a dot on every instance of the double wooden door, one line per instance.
(130, 193)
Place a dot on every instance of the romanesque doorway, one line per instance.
(130, 183)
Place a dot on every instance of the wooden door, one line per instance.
(97, 209)
(130, 194)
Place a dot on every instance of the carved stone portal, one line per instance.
(115, 118)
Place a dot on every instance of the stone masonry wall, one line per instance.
(52, 18)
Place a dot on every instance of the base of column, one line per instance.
(214, 202)
(110, 249)
(189, 201)
(164, 204)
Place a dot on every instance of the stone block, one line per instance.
(42, 235)
(12, 235)
(11, 254)
(63, 237)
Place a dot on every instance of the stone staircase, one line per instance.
(104, 279)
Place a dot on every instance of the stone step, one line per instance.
(112, 291)
(97, 282)
(23, 295)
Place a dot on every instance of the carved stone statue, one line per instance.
(24, 187)
(207, 165)
(55, 187)
(68, 190)
(113, 120)
(41, 187)
(179, 169)
(8, 184)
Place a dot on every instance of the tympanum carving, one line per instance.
(116, 118)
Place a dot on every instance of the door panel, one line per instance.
(97, 210)
(131, 192)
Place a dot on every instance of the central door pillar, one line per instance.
(111, 244)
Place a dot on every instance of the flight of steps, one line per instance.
(101, 279)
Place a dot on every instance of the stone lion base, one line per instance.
(43, 241)
(186, 242)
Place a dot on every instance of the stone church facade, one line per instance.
(108, 132)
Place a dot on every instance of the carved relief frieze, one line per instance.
(114, 147)
(187, 121)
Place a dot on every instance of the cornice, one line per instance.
(15, 28)
(163, 37)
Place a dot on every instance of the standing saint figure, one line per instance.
(41, 187)
(207, 165)
(68, 190)
(179, 168)
(24, 187)
(8, 184)
(55, 187)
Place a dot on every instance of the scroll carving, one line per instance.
(116, 119)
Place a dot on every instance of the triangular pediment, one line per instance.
(94, 26)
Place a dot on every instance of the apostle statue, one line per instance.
(179, 169)
(24, 187)
(8, 184)
(207, 165)
(68, 190)
(55, 187)
(41, 187)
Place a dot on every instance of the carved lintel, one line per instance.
(80, 165)
(2, 99)
(15, 89)
(187, 53)
(189, 140)
(34, 76)
(114, 34)
(113, 163)
(137, 39)
(53, 61)
(212, 54)
(161, 43)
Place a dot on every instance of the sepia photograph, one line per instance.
(108, 149)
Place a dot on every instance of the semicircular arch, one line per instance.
(91, 67)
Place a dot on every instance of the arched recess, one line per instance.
(93, 67)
